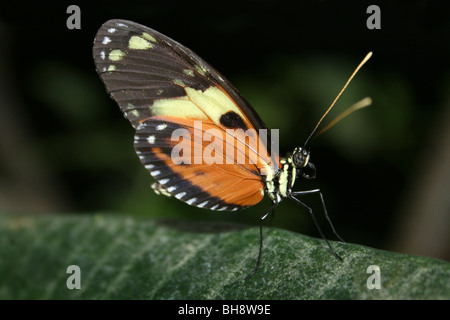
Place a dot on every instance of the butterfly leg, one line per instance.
(258, 261)
(300, 193)
(314, 219)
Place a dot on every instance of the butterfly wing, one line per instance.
(162, 86)
(217, 186)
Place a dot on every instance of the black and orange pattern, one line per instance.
(162, 86)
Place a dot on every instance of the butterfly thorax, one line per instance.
(279, 185)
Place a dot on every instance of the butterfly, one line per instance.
(183, 109)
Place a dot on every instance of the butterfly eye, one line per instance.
(309, 171)
(300, 157)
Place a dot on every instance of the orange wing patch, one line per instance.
(193, 165)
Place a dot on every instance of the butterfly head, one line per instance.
(300, 160)
(297, 163)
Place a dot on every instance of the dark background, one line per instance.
(385, 171)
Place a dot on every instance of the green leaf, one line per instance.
(124, 258)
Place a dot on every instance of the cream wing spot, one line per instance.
(116, 55)
(135, 113)
(164, 192)
(213, 102)
(177, 107)
(201, 205)
(180, 195)
(151, 139)
(148, 37)
(112, 30)
(188, 72)
(139, 43)
(191, 201)
(172, 188)
(106, 40)
(200, 70)
(129, 106)
(160, 127)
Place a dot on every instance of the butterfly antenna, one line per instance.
(337, 97)
(359, 105)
